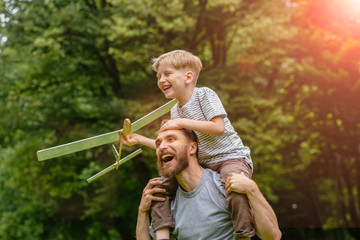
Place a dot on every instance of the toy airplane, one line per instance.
(106, 138)
(115, 165)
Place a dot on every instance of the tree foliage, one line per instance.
(286, 71)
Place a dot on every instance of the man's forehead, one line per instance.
(167, 133)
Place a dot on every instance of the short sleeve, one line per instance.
(210, 103)
(151, 232)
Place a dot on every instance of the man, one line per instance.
(199, 208)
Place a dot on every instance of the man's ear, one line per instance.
(193, 148)
(189, 77)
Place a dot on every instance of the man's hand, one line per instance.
(239, 183)
(148, 197)
(265, 221)
(142, 226)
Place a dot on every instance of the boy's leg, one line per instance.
(160, 211)
(238, 204)
(163, 233)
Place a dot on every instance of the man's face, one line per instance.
(172, 150)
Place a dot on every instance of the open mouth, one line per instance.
(166, 87)
(166, 158)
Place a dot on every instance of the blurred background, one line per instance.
(287, 72)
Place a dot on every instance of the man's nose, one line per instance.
(162, 146)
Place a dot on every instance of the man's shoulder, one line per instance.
(215, 179)
(212, 174)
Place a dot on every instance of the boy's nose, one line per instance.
(161, 80)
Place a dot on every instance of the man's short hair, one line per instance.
(179, 59)
(190, 134)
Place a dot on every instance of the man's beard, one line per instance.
(180, 163)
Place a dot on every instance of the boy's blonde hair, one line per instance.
(179, 59)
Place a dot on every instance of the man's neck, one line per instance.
(190, 177)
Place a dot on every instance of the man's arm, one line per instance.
(264, 216)
(142, 226)
(215, 126)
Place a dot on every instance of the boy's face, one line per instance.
(171, 81)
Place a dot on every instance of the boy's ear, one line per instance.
(189, 77)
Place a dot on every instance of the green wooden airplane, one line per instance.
(107, 138)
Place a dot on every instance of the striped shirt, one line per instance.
(205, 105)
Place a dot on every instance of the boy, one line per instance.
(220, 148)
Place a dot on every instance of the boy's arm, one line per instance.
(215, 126)
(266, 224)
(134, 138)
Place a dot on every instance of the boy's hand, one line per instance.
(131, 139)
(215, 126)
(173, 124)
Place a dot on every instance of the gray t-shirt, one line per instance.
(202, 214)
(205, 105)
